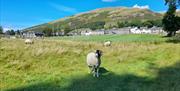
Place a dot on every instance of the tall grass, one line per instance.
(58, 64)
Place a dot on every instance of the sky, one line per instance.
(20, 14)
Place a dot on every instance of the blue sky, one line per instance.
(18, 14)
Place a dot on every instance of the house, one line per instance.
(97, 32)
(59, 33)
(72, 33)
(85, 31)
(125, 30)
(90, 32)
(145, 30)
(32, 34)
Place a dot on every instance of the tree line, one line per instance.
(9, 32)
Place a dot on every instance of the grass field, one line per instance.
(115, 38)
(132, 63)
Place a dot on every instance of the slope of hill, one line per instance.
(178, 12)
(107, 15)
(113, 14)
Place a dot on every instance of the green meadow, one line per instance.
(132, 63)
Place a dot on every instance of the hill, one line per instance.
(178, 12)
(107, 16)
(112, 15)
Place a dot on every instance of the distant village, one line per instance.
(89, 32)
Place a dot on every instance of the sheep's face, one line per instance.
(98, 53)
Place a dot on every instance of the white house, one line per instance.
(32, 34)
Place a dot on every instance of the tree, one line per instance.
(178, 21)
(94, 25)
(157, 22)
(110, 25)
(135, 23)
(170, 22)
(148, 24)
(10, 32)
(121, 24)
(177, 2)
(1, 29)
(18, 32)
(67, 29)
(47, 31)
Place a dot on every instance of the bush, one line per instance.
(94, 25)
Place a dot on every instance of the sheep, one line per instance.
(94, 62)
(107, 43)
(29, 41)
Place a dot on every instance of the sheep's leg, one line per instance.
(94, 74)
(94, 71)
(91, 69)
(97, 72)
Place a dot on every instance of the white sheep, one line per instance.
(107, 43)
(29, 41)
(94, 62)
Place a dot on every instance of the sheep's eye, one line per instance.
(97, 55)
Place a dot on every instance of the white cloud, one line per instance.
(141, 7)
(63, 8)
(178, 10)
(109, 0)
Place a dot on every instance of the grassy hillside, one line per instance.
(111, 15)
(178, 13)
(131, 64)
(107, 15)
